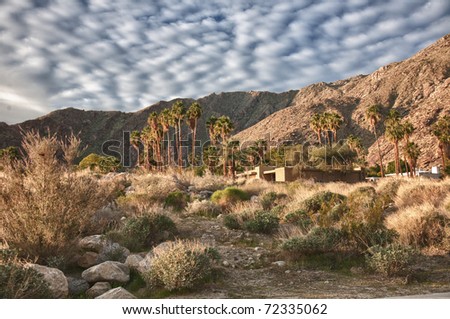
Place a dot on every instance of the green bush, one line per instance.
(300, 218)
(318, 240)
(177, 201)
(268, 201)
(143, 232)
(317, 202)
(229, 195)
(19, 282)
(391, 260)
(231, 222)
(180, 264)
(264, 222)
(104, 164)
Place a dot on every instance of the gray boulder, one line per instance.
(88, 259)
(111, 271)
(98, 289)
(94, 243)
(133, 261)
(117, 293)
(55, 278)
(77, 286)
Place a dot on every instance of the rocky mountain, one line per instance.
(419, 88)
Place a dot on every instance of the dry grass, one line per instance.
(44, 207)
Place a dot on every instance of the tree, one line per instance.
(135, 142)
(210, 125)
(155, 136)
(166, 120)
(316, 125)
(193, 114)
(146, 138)
(441, 129)
(223, 127)
(412, 154)
(394, 133)
(335, 121)
(355, 144)
(178, 114)
(373, 115)
(408, 129)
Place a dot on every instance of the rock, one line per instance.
(88, 259)
(111, 271)
(254, 199)
(77, 286)
(133, 261)
(93, 243)
(113, 252)
(117, 293)
(145, 264)
(279, 263)
(55, 278)
(226, 263)
(98, 289)
(205, 194)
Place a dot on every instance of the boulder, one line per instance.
(77, 286)
(133, 261)
(98, 289)
(93, 243)
(114, 252)
(111, 271)
(88, 259)
(117, 293)
(55, 278)
(145, 264)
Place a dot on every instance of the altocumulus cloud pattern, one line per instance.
(127, 54)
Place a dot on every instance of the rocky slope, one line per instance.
(418, 87)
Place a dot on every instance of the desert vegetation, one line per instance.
(172, 232)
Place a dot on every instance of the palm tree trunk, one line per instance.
(168, 148)
(406, 165)
(379, 152)
(180, 155)
(397, 159)
(319, 137)
(136, 147)
(194, 132)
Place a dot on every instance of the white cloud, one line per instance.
(129, 54)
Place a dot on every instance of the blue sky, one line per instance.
(125, 54)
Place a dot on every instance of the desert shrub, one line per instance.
(300, 218)
(180, 264)
(177, 201)
(142, 232)
(204, 208)
(316, 202)
(318, 240)
(231, 222)
(104, 164)
(229, 195)
(268, 200)
(390, 260)
(420, 226)
(265, 222)
(413, 193)
(18, 281)
(44, 206)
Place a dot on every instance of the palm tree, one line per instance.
(325, 120)
(166, 120)
(135, 141)
(210, 125)
(373, 115)
(193, 114)
(335, 122)
(355, 144)
(178, 114)
(156, 136)
(394, 133)
(412, 154)
(234, 148)
(146, 140)
(223, 127)
(316, 125)
(441, 129)
(408, 129)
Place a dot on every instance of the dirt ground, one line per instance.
(252, 267)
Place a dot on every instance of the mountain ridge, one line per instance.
(418, 87)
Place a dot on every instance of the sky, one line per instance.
(128, 54)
